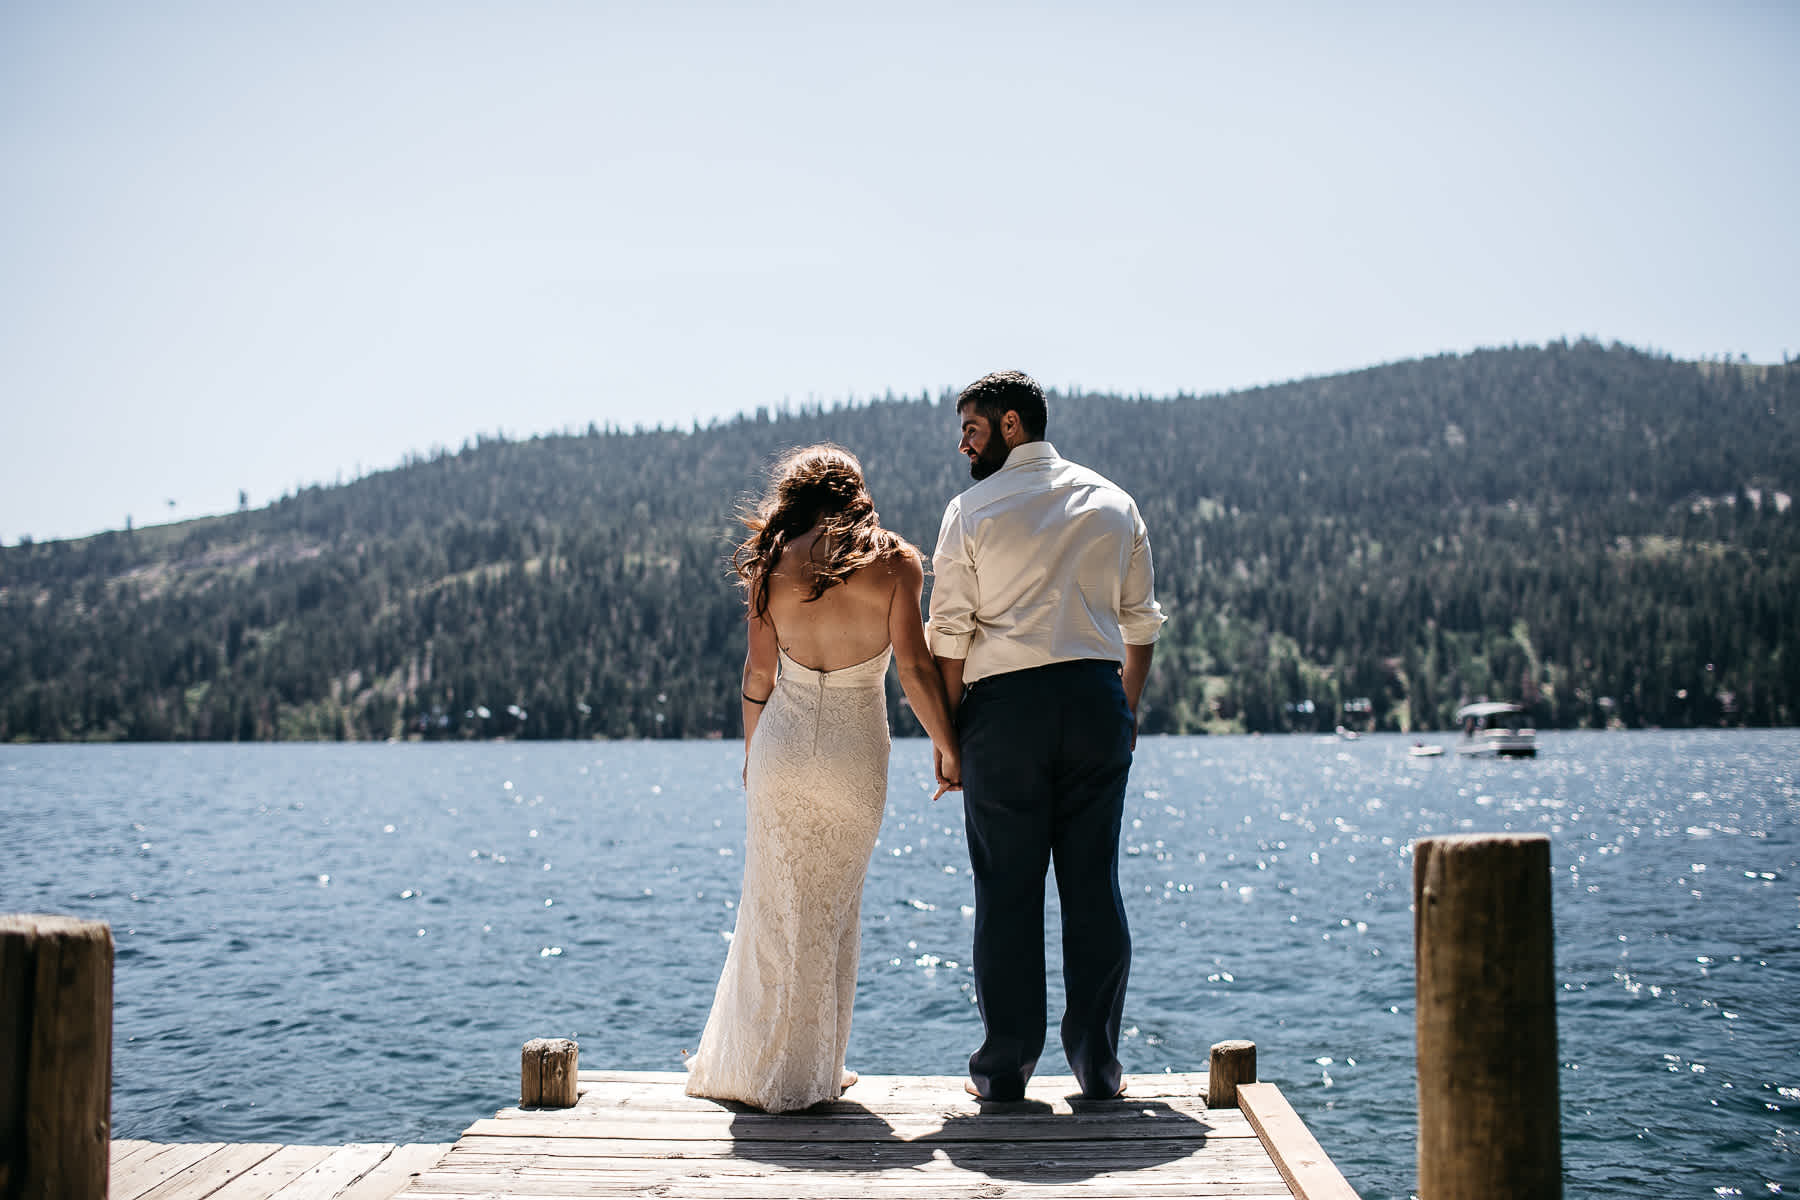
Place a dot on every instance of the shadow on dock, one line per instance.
(978, 1142)
(639, 1134)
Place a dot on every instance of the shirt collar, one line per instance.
(1028, 452)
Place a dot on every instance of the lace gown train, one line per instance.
(817, 784)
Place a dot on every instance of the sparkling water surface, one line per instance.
(334, 943)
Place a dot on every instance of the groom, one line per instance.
(1043, 619)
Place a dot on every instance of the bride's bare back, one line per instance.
(851, 622)
(845, 626)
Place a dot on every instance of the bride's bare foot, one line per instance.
(850, 1078)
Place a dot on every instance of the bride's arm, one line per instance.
(759, 675)
(918, 670)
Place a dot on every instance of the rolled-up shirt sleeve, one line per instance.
(1140, 616)
(954, 592)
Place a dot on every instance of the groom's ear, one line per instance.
(1012, 429)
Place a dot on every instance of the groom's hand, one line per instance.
(949, 776)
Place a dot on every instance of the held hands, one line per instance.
(948, 766)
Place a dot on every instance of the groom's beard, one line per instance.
(991, 459)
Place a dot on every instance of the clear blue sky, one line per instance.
(252, 245)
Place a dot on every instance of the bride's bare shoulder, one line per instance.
(900, 564)
(906, 561)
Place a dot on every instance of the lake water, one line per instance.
(349, 943)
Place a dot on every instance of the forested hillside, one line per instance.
(1602, 533)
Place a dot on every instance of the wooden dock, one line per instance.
(637, 1134)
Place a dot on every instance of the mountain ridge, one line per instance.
(1563, 525)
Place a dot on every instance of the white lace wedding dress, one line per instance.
(817, 783)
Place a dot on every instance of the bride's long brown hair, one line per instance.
(814, 486)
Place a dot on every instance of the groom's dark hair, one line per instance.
(995, 395)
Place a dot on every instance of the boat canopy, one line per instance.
(1487, 708)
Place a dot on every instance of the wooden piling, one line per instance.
(56, 979)
(547, 1073)
(1233, 1062)
(1486, 1000)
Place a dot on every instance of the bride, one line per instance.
(830, 594)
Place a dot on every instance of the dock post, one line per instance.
(1489, 1124)
(547, 1073)
(1233, 1062)
(56, 984)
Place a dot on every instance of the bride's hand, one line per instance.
(948, 765)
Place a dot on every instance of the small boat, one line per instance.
(1422, 750)
(1498, 728)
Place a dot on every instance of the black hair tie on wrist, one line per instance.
(753, 699)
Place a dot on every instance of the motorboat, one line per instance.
(1425, 750)
(1496, 727)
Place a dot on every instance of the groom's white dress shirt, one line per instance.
(1043, 561)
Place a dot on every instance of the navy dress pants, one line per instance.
(1046, 753)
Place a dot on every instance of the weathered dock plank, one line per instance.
(395, 1171)
(274, 1173)
(1146, 1121)
(208, 1174)
(264, 1170)
(336, 1172)
(126, 1149)
(158, 1163)
(597, 1151)
(1303, 1163)
(638, 1134)
(941, 1187)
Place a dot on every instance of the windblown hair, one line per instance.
(814, 486)
(994, 395)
